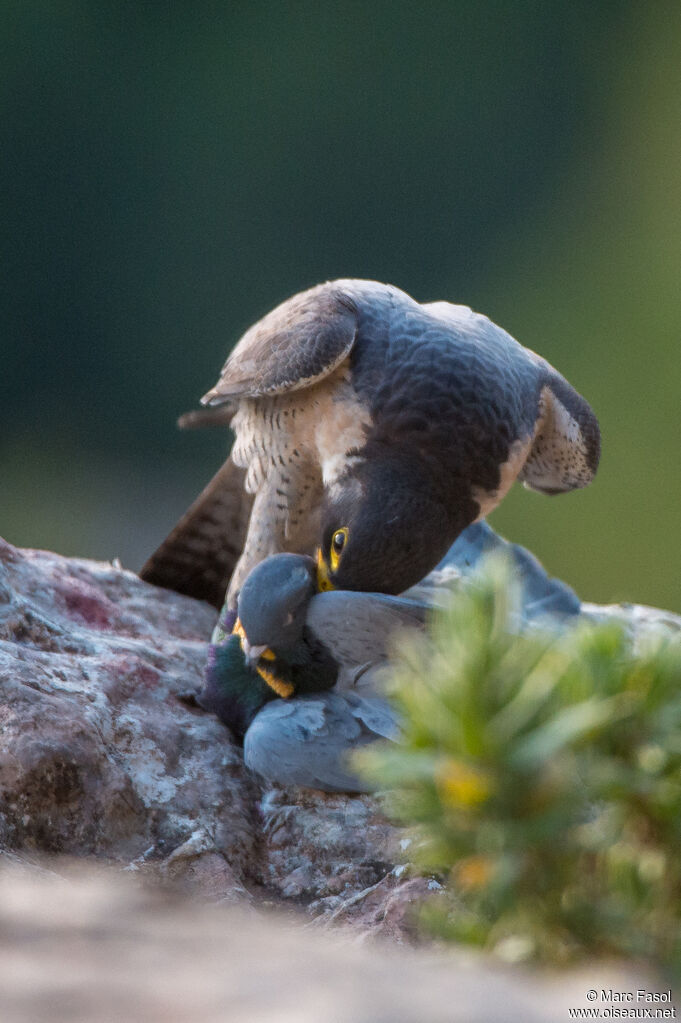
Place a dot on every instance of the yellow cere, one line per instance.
(323, 581)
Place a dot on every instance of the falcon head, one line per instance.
(383, 528)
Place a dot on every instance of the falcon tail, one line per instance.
(198, 557)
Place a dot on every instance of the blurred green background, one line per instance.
(170, 172)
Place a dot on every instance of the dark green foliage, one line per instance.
(171, 172)
(541, 773)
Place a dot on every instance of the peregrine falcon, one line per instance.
(372, 429)
(326, 655)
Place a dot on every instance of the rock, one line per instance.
(101, 758)
(639, 619)
(319, 846)
(386, 909)
(90, 947)
(98, 757)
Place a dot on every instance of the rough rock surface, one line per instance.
(93, 948)
(335, 855)
(99, 757)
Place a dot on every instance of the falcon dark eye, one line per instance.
(337, 544)
(338, 541)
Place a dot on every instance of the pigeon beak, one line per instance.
(251, 653)
(323, 580)
(254, 653)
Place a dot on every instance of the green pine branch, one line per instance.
(540, 773)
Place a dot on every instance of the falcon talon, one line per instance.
(361, 670)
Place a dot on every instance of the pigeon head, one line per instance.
(272, 604)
